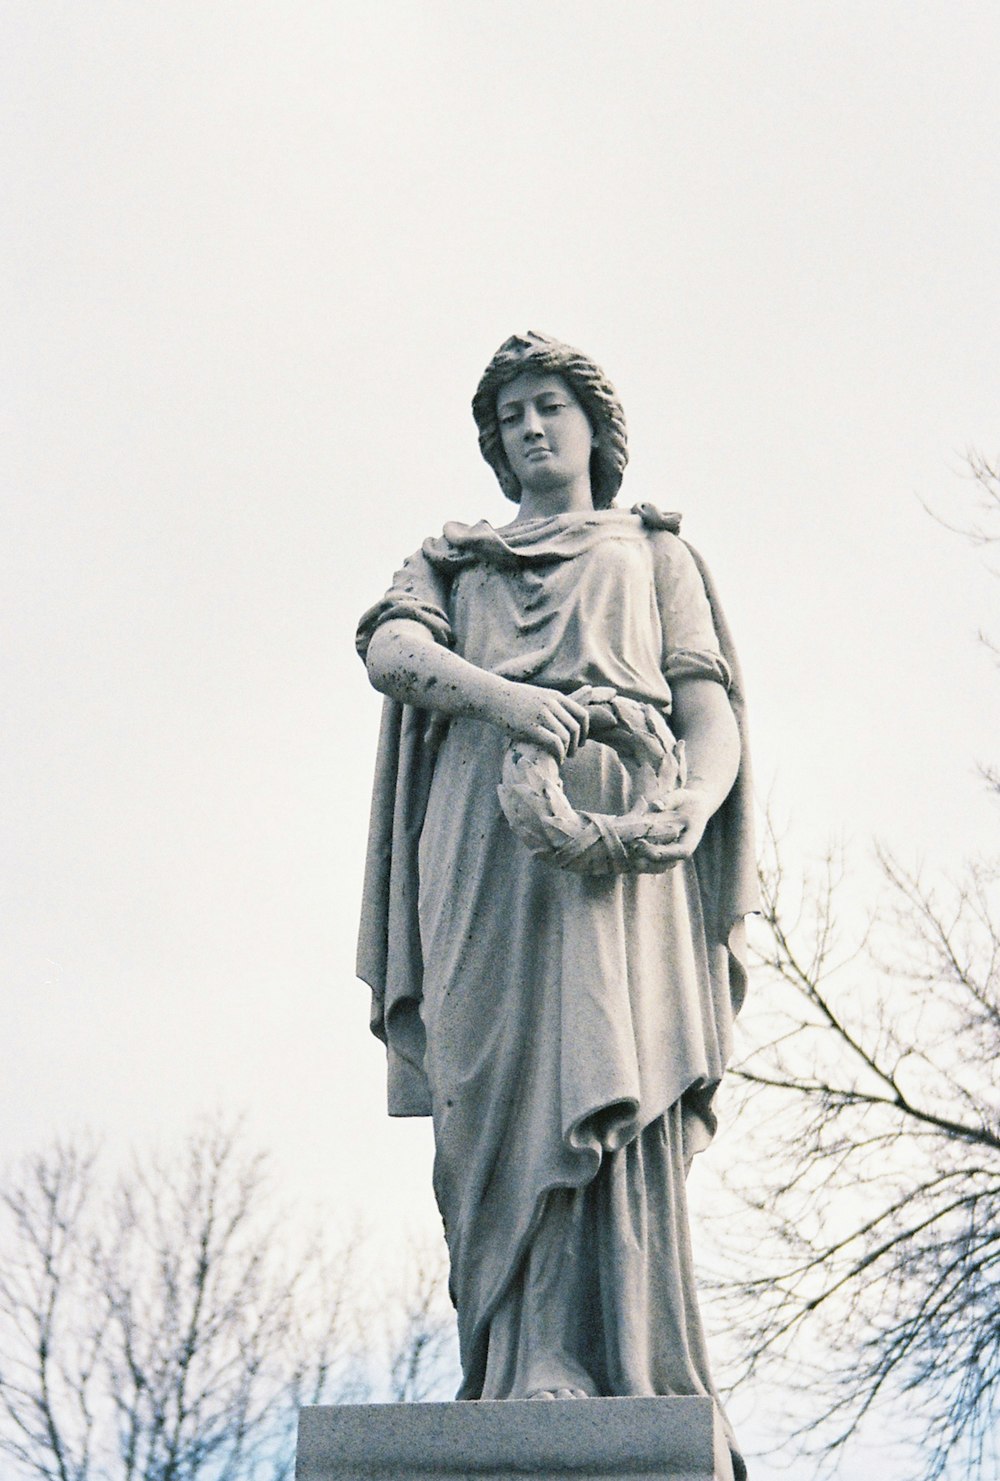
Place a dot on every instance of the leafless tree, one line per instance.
(422, 1338)
(168, 1327)
(982, 528)
(49, 1355)
(874, 1181)
(875, 1184)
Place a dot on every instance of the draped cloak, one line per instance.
(558, 1027)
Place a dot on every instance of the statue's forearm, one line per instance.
(405, 663)
(703, 718)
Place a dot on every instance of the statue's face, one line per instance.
(546, 434)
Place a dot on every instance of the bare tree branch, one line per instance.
(875, 1183)
(982, 529)
(422, 1339)
(168, 1327)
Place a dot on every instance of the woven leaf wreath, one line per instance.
(537, 809)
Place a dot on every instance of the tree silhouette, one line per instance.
(875, 1187)
(169, 1326)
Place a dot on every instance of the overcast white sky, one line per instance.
(255, 257)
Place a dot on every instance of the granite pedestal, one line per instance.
(568, 1440)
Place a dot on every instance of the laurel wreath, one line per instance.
(536, 807)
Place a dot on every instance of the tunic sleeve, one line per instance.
(418, 592)
(690, 644)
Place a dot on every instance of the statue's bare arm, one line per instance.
(703, 718)
(406, 663)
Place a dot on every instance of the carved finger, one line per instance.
(548, 741)
(556, 735)
(572, 730)
(601, 718)
(658, 866)
(577, 718)
(658, 857)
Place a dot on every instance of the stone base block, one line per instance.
(564, 1440)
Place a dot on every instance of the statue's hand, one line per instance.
(529, 712)
(678, 827)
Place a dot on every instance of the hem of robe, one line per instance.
(695, 1137)
(475, 1348)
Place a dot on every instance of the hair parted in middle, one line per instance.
(590, 386)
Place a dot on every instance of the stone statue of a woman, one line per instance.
(566, 1024)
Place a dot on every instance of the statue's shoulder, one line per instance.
(448, 551)
(658, 519)
(662, 529)
(674, 559)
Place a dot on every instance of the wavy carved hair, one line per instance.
(590, 386)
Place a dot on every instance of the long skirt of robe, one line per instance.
(565, 1017)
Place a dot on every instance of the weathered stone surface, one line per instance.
(660, 1439)
(555, 969)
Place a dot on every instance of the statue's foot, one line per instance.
(558, 1393)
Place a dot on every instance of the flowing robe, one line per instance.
(566, 1032)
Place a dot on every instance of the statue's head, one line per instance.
(589, 385)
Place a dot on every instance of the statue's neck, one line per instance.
(570, 498)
